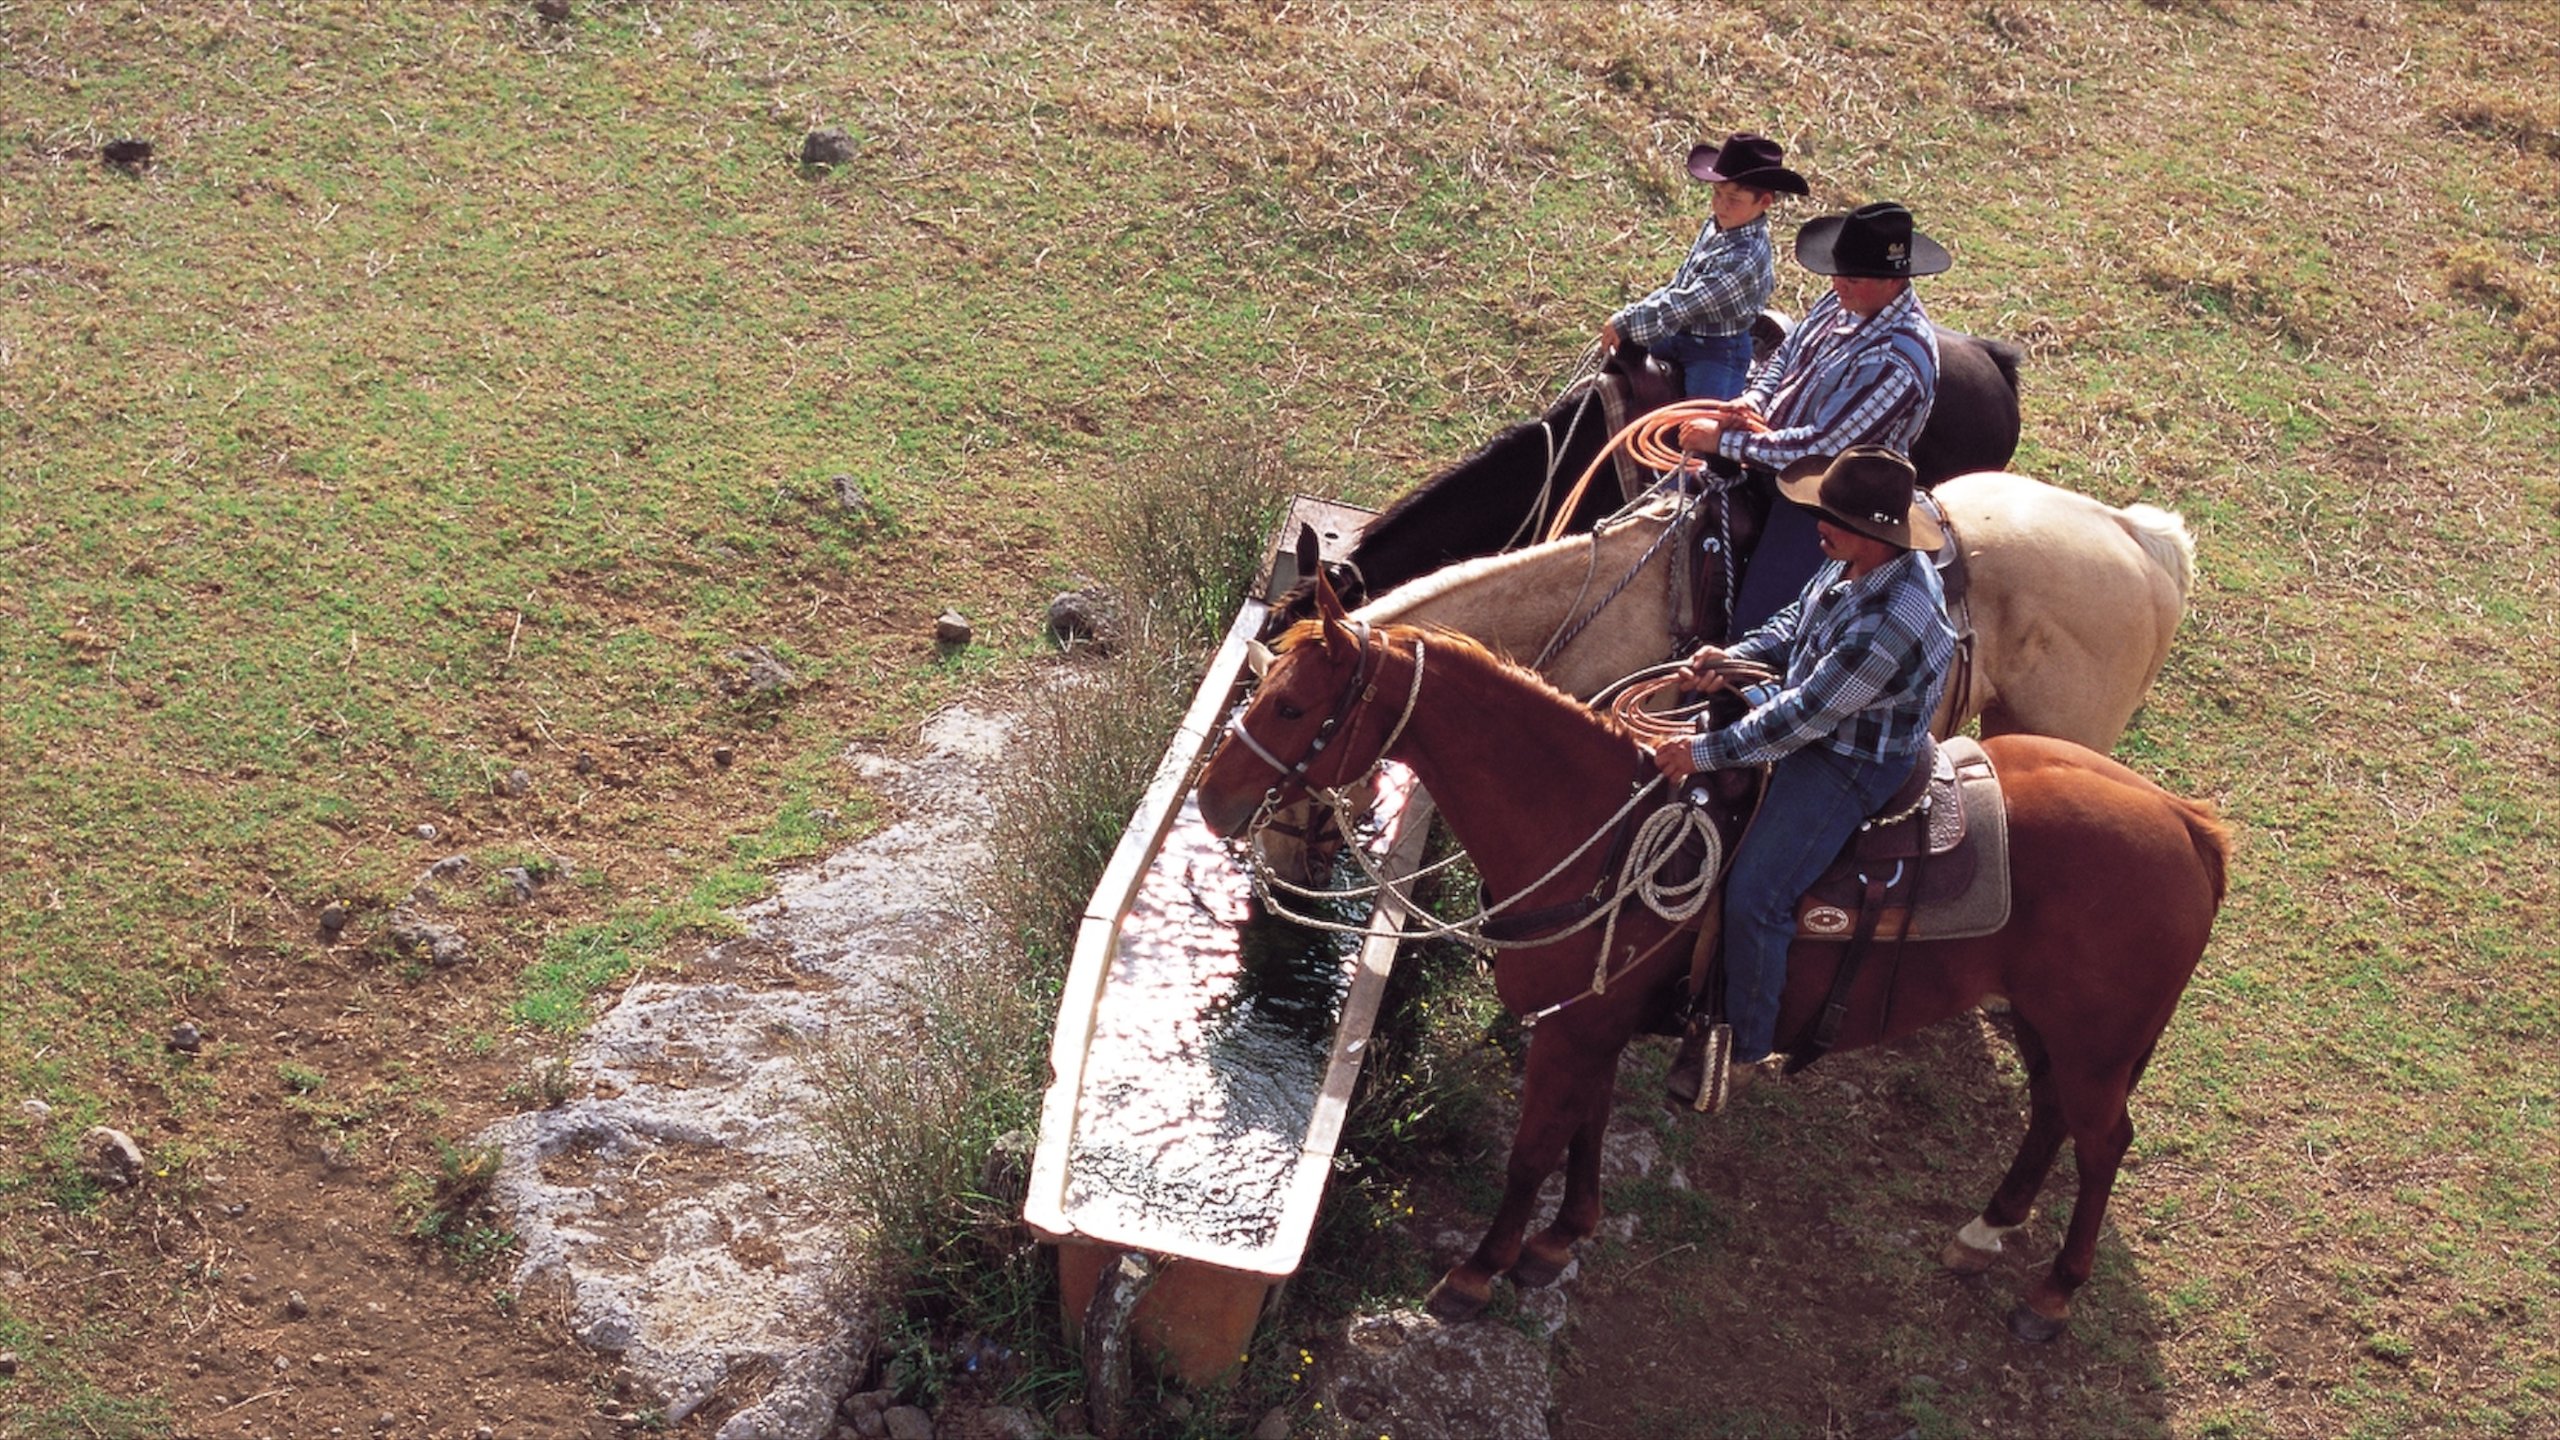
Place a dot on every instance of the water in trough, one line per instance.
(1209, 1048)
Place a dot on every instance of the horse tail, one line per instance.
(2212, 840)
(2163, 536)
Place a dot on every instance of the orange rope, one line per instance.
(1653, 441)
(1652, 727)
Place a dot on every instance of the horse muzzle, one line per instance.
(1227, 814)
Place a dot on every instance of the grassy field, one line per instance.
(459, 393)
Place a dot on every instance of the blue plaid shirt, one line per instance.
(1717, 290)
(1862, 661)
(1840, 381)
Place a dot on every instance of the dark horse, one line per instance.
(2115, 884)
(1482, 505)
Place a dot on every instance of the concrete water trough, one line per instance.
(1205, 1055)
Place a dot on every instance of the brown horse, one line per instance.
(2116, 883)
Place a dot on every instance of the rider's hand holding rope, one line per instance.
(1708, 671)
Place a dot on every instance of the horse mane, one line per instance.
(1447, 578)
(1444, 643)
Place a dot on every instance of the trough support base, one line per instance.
(1194, 1321)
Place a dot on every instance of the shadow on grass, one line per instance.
(1787, 1283)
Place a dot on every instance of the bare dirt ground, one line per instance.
(283, 1297)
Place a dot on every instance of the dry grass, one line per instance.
(457, 390)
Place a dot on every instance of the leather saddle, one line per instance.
(1933, 863)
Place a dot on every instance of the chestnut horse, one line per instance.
(2116, 883)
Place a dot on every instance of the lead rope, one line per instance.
(1571, 629)
(1586, 368)
(1658, 839)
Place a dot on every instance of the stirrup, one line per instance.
(1697, 1080)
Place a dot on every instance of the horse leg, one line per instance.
(1978, 1244)
(1578, 1216)
(1551, 1116)
(2101, 1132)
(2046, 1309)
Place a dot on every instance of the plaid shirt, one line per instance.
(1864, 661)
(1719, 288)
(1840, 381)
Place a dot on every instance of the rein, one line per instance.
(1571, 629)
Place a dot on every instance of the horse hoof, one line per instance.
(2033, 1328)
(1963, 1259)
(1452, 1306)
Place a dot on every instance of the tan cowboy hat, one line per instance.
(1866, 488)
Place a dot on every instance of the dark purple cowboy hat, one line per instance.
(1872, 242)
(1866, 488)
(1747, 159)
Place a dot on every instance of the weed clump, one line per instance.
(2524, 296)
(2530, 125)
(924, 1132)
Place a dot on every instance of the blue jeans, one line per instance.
(1712, 367)
(1790, 550)
(1816, 798)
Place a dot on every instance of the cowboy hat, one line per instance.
(1866, 488)
(1747, 159)
(1874, 242)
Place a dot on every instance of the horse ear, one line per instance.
(1337, 634)
(1257, 658)
(1310, 555)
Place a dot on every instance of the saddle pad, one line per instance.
(1963, 892)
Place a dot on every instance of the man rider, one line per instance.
(1861, 370)
(1861, 658)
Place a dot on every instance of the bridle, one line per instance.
(1358, 690)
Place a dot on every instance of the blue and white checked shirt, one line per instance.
(1717, 290)
(1863, 663)
(1840, 381)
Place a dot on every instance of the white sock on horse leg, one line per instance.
(1986, 1238)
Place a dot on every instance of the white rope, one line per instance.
(1658, 840)
(1585, 369)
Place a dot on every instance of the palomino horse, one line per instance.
(2115, 886)
(1485, 503)
(2072, 603)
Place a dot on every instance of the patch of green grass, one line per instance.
(450, 1209)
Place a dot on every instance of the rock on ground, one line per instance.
(672, 1197)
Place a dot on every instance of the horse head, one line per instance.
(1281, 743)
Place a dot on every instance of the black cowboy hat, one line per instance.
(1874, 242)
(1747, 159)
(1866, 488)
